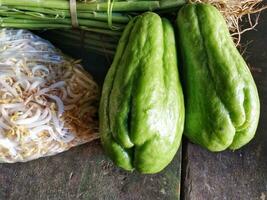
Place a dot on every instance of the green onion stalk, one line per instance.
(100, 22)
(100, 16)
(86, 40)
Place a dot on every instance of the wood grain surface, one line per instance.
(239, 175)
(84, 173)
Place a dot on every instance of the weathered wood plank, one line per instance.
(239, 175)
(85, 172)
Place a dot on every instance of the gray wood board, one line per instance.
(85, 173)
(239, 175)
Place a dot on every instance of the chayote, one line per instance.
(142, 107)
(222, 103)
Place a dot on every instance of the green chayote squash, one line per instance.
(222, 103)
(142, 108)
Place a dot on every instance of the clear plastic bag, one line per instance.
(48, 102)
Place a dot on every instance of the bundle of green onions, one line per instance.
(102, 16)
(86, 40)
(102, 21)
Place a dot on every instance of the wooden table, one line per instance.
(195, 174)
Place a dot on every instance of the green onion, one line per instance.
(102, 20)
(97, 5)
(100, 16)
(86, 40)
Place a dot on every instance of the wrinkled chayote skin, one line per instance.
(142, 106)
(222, 103)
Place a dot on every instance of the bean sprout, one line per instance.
(47, 101)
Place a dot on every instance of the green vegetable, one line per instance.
(97, 15)
(142, 107)
(89, 41)
(222, 103)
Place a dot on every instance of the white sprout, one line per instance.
(41, 92)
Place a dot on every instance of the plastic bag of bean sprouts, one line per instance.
(48, 102)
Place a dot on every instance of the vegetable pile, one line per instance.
(47, 101)
(141, 111)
